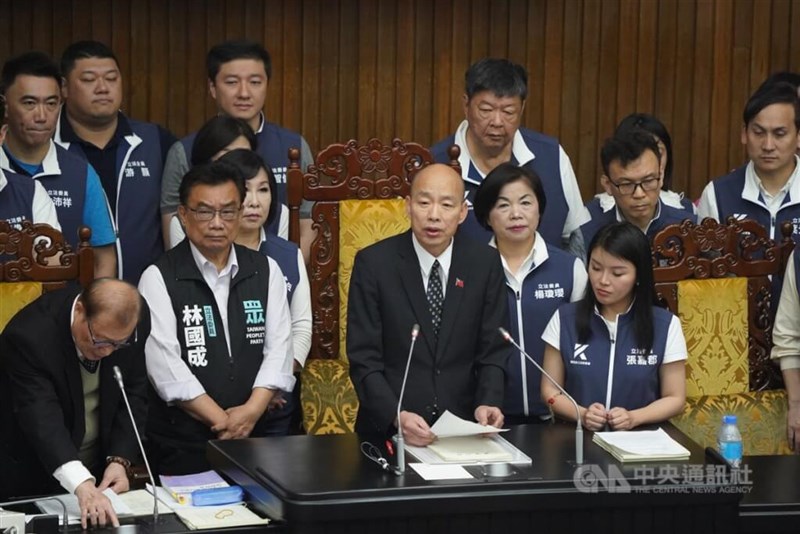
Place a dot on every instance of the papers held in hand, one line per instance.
(461, 441)
(641, 445)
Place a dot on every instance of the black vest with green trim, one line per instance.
(226, 376)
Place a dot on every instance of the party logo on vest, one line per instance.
(254, 312)
(579, 355)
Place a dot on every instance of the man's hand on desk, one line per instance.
(115, 478)
(489, 415)
(793, 426)
(95, 507)
(415, 430)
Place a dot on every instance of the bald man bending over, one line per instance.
(453, 288)
(62, 416)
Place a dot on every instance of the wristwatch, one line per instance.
(121, 461)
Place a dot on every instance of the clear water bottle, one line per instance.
(729, 440)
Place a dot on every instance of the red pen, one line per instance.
(389, 447)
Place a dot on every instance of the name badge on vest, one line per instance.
(638, 357)
(548, 291)
(194, 335)
(254, 319)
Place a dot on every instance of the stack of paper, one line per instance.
(470, 449)
(641, 445)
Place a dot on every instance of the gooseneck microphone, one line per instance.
(401, 444)
(578, 427)
(118, 378)
(64, 516)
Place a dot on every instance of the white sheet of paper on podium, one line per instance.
(450, 426)
(464, 442)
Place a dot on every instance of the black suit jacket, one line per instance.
(42, 410)
(465, 369)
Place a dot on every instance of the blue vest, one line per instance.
(545, 164)
(285, 255)
(274, 143)
(728, 191)
(635, 381)
(546, 287)
(594, 208)
(668, 215)
(138, 218)
(16, 199)
(67, 190)
(226, 377)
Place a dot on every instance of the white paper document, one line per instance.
(449, 425)
(74, 510)
(641, 445)
(440, 471)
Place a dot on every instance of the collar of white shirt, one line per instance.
(537, 256)
(520, 150)
(208, 268)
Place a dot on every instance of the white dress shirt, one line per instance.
(169, 374)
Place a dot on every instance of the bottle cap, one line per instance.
(729, 419)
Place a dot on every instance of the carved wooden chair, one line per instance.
(36, 258)
(717, 279)
(357, 193)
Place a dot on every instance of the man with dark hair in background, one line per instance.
(23, 199)
(31, 86)
(494, 101)
(63, 417)
(632, 177)
(127, 154)
(239, 73)
(767, 188)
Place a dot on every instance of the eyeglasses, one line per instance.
(628, 188)
(206, 214)
(102, 343)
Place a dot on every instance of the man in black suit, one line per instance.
(62, 413)
(452, 288)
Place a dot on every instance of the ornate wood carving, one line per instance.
(737, 248)
(38, 252)
(344, 171)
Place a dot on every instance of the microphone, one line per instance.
(64, 516)
(401, 444)
(118, 378)
(578, 427)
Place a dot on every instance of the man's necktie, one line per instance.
(435, 297)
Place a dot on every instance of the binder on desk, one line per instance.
(641, 445)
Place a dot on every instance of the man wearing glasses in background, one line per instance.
(62, 416)
(221, 342)
(632, 175)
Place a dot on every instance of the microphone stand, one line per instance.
(578, 426)
(64, 516)
(118, 378)
(401, 444)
